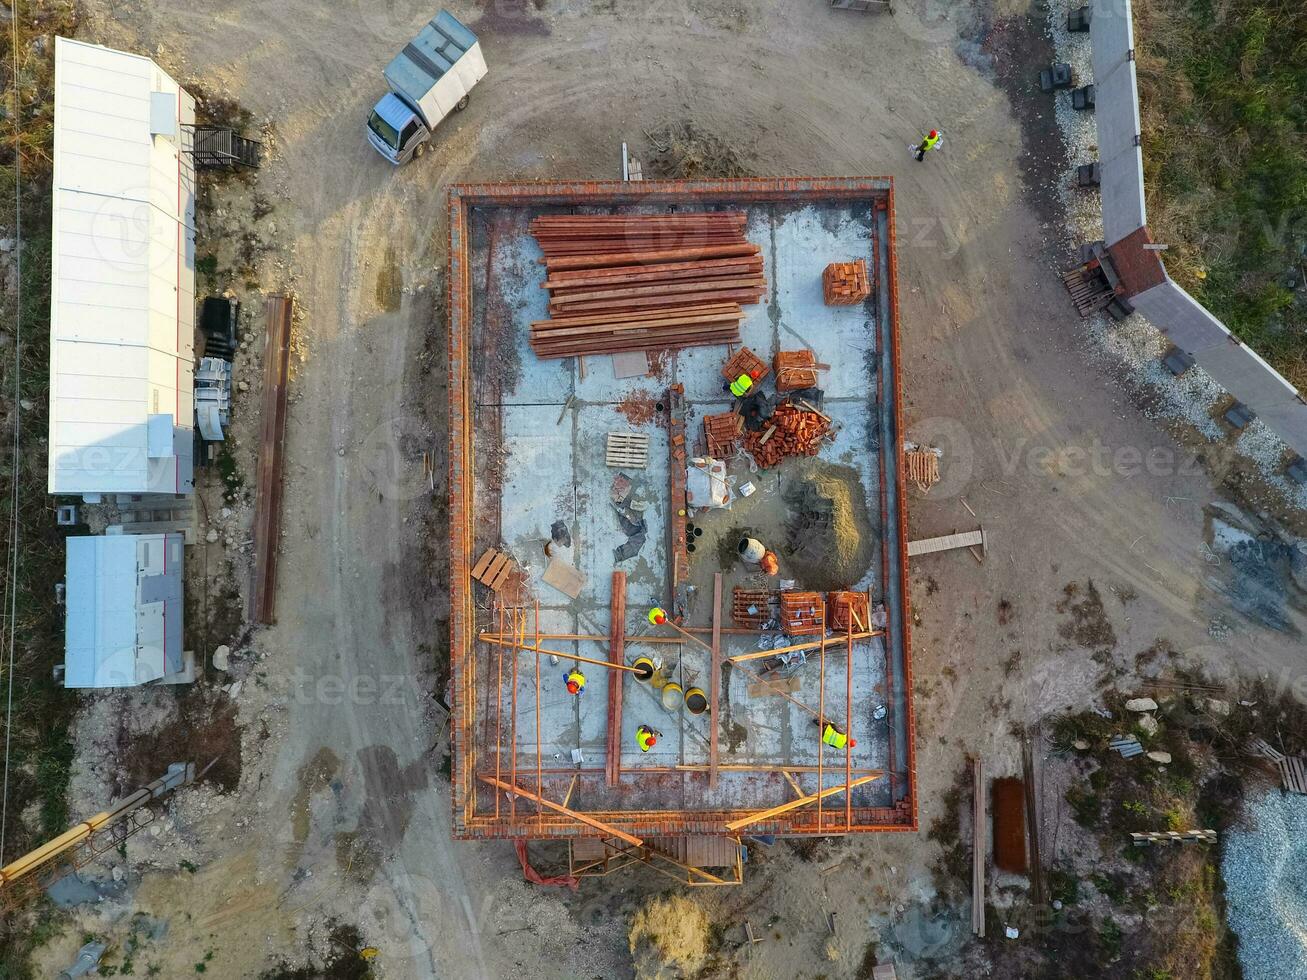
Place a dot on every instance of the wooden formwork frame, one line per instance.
(466, 764)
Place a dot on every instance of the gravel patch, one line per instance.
(1266, 888)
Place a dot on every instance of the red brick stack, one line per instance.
(845, 283)
(847, 611)
(801, 613)
(795, 369)
(723, 433)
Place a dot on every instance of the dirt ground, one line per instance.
(342, 812)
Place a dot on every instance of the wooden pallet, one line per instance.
(493, 569)
(627, 450)
(1293, 773)
(1088, 293)
(921, 467)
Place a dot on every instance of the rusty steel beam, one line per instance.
(271, 465)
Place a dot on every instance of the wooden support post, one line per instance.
(776, 811)
(810, 645)
(821, 714)
(616, 657)
(606, 829)
(716, 679)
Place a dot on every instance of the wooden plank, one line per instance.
(767, 688)
(271, 464)
(566, 578)
(777, 811)
(795, 647)
(946, 542)
(496, 566)
(479, 569)
(561, 299)
(651, 255)
(607, 829)
(616, 656)
(716, 679)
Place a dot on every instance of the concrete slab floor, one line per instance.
(551, 424)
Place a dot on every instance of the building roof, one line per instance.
(122, 303)
(123, 612)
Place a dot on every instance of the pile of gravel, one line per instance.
(1266, 888)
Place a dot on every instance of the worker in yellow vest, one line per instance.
(741, 385)
(646, 738)
(657, 616)
(929, 142)
(575, 681)
(835, 738)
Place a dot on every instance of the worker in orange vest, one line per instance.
(646, 737)
(575, 681)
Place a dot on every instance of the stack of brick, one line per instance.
(847, 611)
(750, 608)
(723, 433)
(745, 361)
(791, 431)
(795, 369)
(801, 613)
(845, 283)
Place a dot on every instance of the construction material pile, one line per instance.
(845, 283)
(791, 431)
(644, 282)
(795, 369)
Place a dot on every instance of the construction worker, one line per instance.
(931, 141)
(833, 737)
(657, 616)
(742, 385)
(575, 681)
(646, 737)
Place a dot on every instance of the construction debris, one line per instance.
(847, 611)
(1174, 837)
(1293, 774)
(845, 283)
(791, 431)
(644, 282)
(1127, 745)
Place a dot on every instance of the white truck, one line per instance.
(428, 80)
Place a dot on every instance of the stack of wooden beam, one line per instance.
(644, 282)
(845, 283)
(791, 431)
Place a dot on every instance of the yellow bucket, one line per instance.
(696, 702)
(673, 697)
(644, 668)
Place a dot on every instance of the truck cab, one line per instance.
(428, 80)
(395, 130)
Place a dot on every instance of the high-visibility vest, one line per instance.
(741, 385)
(645, 739)
(577, 678)
(929, 143)
(833, 737)
(657, 617)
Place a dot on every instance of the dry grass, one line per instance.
(671, 932)
(1222, 104)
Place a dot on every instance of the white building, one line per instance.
(123, 620)
(122, 304)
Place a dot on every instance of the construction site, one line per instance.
(508, 491)
(562, 544)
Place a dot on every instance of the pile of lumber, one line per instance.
(845, 283)
(644, 282)
(791, 431)
(723, 433)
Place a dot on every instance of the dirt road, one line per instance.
(343, 810)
